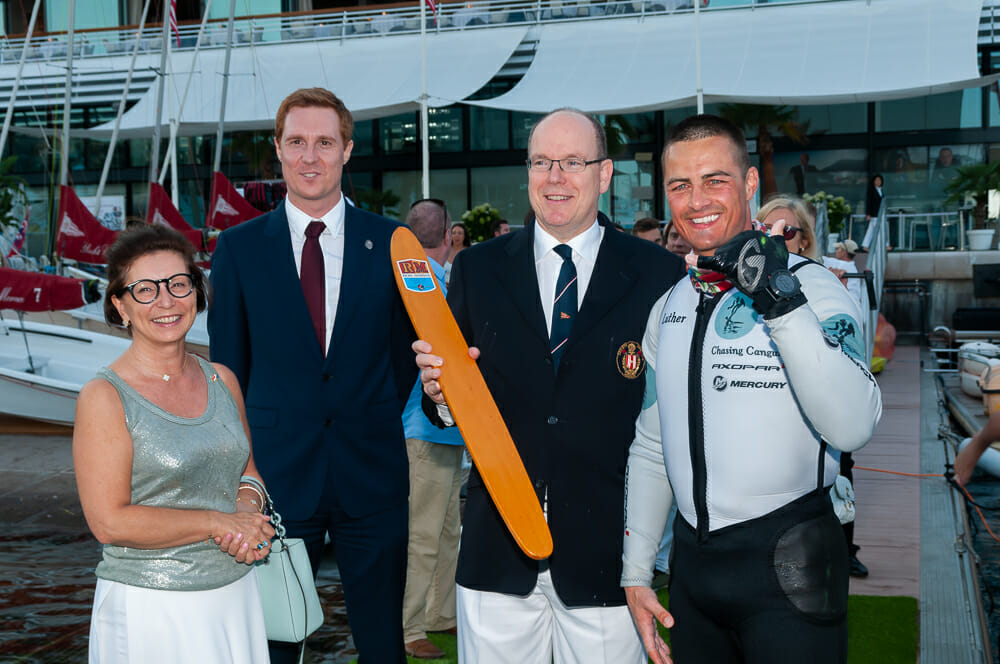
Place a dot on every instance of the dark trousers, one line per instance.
(846, 469)
(772, 589)
(371, 556)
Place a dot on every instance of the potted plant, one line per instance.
(838, 211)
(479, 220)
(975, 180)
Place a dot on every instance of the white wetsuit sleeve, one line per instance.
(647, 492)
(822, 347)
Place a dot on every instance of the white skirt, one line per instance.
(132, 625)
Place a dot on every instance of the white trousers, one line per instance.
(132, 625)
(494, 628)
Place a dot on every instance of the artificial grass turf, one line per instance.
(881, 630)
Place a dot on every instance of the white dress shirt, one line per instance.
(548, 263)
(331, 242)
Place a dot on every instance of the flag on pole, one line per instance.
(80, 237)
(226, 207)
(173, 21)
(433, 7)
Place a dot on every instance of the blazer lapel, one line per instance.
(521, 280)
(359, 247)
(613, 276)
(279, 265)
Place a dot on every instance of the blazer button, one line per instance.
(553, 419)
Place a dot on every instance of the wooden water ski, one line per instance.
(469, 399)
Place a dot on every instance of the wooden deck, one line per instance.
(887, 527)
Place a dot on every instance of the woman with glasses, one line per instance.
(800, 238)
(166, 477)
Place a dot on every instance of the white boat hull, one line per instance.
(63, 360)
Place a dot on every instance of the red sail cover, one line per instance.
(34, 291)
(161, 211)
(81, 237)
(226, 207)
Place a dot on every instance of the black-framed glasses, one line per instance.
(145, 291)
(568, 165)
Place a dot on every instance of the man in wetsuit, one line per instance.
(757, 359)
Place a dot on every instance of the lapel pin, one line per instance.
(369, 244)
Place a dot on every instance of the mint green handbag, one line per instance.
(287, 590)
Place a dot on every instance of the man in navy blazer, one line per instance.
(571, 416)
(325, 388)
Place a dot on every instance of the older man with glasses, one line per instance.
(555, 312)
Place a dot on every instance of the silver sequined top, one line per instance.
(184, 463)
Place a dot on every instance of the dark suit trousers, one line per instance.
(371, 558)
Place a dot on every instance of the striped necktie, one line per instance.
(564, 305)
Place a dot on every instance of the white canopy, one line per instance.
(374, 76)
(821, 53)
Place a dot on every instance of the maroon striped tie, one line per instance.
(313, 276)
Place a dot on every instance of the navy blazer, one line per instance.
(572, 429)
(316, 420)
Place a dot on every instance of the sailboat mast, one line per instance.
(68, 96)
(225, 90)
(121, 107)
(17, 80)
(155, 154)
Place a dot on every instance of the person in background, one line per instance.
(873, 203)
(799, 233)
(460, 240)
(500, 227)
(800, 171)
(674, 242)
(166, 477)
(307, 314)
(647, 229)
(968, 456)
(435, 481)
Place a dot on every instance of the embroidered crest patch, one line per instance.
(629, 360)
(416, 274)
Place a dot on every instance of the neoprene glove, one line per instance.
(758, 265)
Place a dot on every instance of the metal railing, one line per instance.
(359, 23)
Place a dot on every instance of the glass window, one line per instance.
(364, 140)
(950, 110)
(503, 187)
(31, 151)
(943, 161)
(835, 118)
(629, 129)
(445, 129)
(246, 8)
(91, 14)
(399, 134)
(446, 184)
(521, 124)
(632, 189)
(96, 151)
(905, 172)
(352, 183)
(489, 128)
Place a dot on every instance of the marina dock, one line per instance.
(911, 532)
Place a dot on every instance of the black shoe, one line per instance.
(857, 568)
